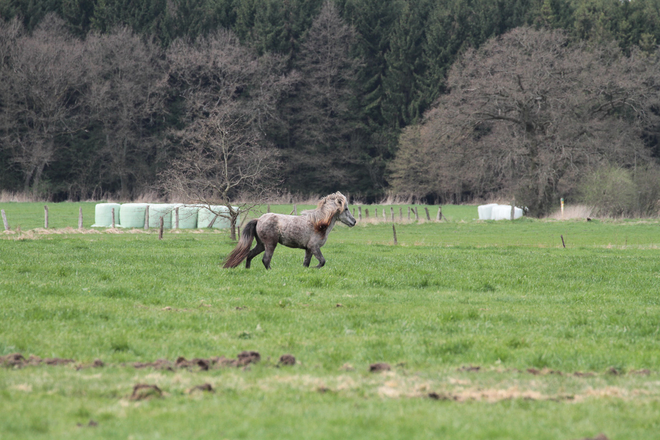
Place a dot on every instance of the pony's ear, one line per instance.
(341, 202)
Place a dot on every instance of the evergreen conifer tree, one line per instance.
(401, 100)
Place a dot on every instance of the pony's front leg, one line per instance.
(308, 257)
(319, 256)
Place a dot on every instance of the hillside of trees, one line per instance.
(443, 100)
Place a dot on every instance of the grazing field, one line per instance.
(490, 330)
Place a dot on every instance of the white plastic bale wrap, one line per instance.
(132, 215)
(486, 211)
(158, 210)
(503, 212)
(187, 216)
(103, 215)
(206, 216)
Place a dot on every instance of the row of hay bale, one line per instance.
(133, 215)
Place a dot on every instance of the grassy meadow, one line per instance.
(492, 330)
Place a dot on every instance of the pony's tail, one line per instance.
(242, 249)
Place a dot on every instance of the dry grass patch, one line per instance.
(572, 212)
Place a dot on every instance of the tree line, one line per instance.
(109, 96)
(531, 116)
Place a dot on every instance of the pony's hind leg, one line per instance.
(259, 248)
(308, 257)
(268, 255)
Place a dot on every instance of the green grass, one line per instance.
(26, 216)
(505, 296)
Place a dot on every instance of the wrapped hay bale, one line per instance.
(187, 216)
(503, 212)
(103, 215)
(217, 214)
(133, 214)
(486, 211)
(158, 210)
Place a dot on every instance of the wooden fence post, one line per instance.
(408, 213)
(513, 208)
(268, 208)
(359, 212)
(384, 215)
(160, 231)
(45, 217)
(366, 212)
(416, 214)
(439, 216)
(394, 232)
(392, 214)
(176, 218)
(4, 220)
(400, 214)
(80, 218)
(428, 216)
(376, 213)
(113, 217)
(146, 218)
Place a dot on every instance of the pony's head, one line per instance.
(345, 215)
(329, 207)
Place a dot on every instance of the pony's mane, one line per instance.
(326, 209)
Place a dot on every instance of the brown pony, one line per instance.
(307, 231)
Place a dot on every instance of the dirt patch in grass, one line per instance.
(581, 374)
(380, 366)
(205, 387)
(98, 363)
(287, 359)
(600, 436)
(391, 385)
(471, 368)
(493, 395)
(142, 391)
(17, 360)
(159, 364)
(490, 395)
(203, 364)
(243, 359)
(441, 396)
(543, 372)
(248, 357)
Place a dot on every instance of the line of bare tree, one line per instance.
(86, 109)
(533, 116)
(117, 113)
